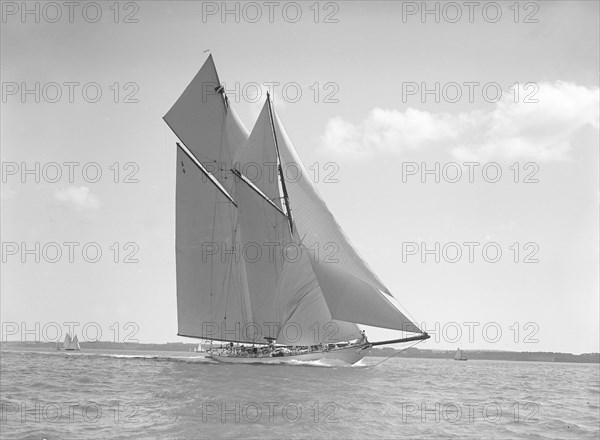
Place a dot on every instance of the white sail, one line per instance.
(351, 299)
(264, 233)
(75, 344)
(67, 341)
(71, 344)
(212, 292)
(317, 226)
(236, 278)
(257, 160)
(284, 292)
(352, 291)
(207, 125)
(303, 313)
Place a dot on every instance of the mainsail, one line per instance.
(254, 249)
(212, 293)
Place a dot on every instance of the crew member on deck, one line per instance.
(363, 339)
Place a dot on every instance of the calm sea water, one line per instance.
(95, 395)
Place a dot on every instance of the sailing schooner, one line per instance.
(69, 344)
(261, 260)
(460, 356)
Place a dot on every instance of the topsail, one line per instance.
(260, 257)
(205, 123)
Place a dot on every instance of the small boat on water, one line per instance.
(69, 344)
(460, 355)
(261, 261)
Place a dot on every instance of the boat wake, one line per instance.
(129, 355)
(160, 357)
(327, 363)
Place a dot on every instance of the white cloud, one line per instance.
(79, 198)
(540, 131)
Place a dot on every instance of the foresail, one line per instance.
(303, 312)
(206, 124)
(317, 227)
(351, 299)
(212, 292)
(352, 291)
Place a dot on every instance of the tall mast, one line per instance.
(286, 199)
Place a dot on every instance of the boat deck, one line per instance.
(350, 354)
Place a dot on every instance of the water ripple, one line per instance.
(93, 394)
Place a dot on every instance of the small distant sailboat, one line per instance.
(70, 344)
(460, 355)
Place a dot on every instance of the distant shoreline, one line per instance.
(524, 356)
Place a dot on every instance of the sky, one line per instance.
(387, 95)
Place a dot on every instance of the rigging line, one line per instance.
(246, 313)
(220, 340)
(279, 235)
(240, 277)
(220, 89)
(267, 222)
(221, 167)
(396, 354)
(286, 198)
(230, 266)
(212, 260)
(276, 238)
